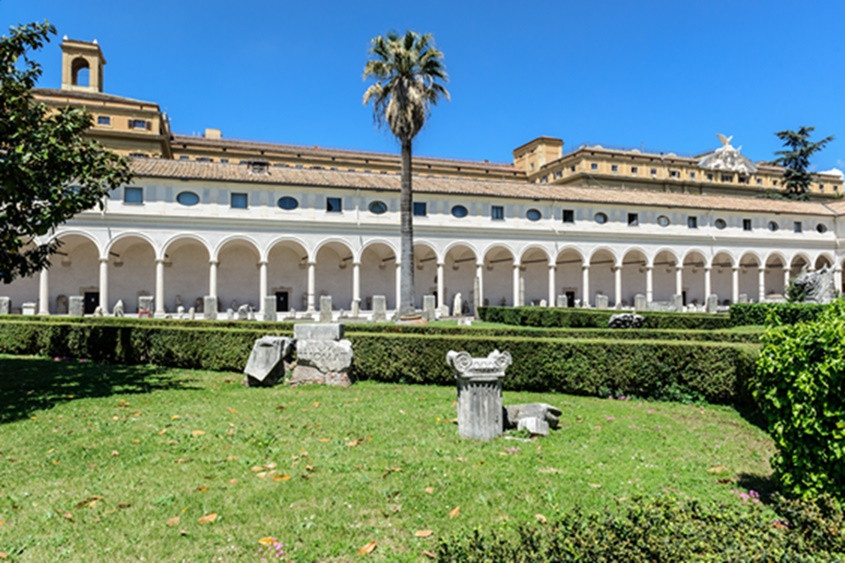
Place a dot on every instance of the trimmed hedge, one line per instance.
(742, 314)
(598, 318)
(716, 372)
(664, 529)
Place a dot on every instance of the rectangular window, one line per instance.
(614, 168)
(798, 227)
(692, 222)
(224, 160)
(572, 168)
(239, 201)
(594, 166)
(633, 219)
(759, 181)
(727, 177)
(654, 171)
(746, 224)
(497, 213)
(139, 124)
(133, 195)
(710, 177)
(420, 208)
(568, 215)
(103, 120)
(204, 159)
(334, 205)
(633, 170)
(692, 175)
(183, 157)
(558, 173)
(821, 187)
(674, 174)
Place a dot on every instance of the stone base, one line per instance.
(418, 320)
(535, 426)
(303, 375)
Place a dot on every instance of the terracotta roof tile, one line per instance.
(192, 170)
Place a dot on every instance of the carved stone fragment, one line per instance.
(266, 365)
(479, 381)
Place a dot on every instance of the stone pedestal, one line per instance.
(29, 308)
(601, 302)
(76, 306)
(209, 307)
(269, 313)
(325, 308)
(743, 298)
(355, 310)
(677, 303)
(560, 301)
(429, 303)
(5, 305)
(379, 309)
(479, 381)
(321, 356)
(640, 302)
(712, 303)
(266, 365)
(145, 304)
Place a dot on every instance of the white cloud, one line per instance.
(834, 172)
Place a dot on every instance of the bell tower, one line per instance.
(82, 65)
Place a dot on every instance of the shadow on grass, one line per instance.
(765, 485)
(752, 415)
(29, 384)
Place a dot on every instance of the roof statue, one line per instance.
(728, 158)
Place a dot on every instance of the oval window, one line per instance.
(663, 221)
(720, 224)
(821, 228)
(773, 226)
(533, 215)
(378, 207)
(601, 218)
(459, 211)
(188, 198)
(288, 203)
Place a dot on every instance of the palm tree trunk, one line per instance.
(406, 208)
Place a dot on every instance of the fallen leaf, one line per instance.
(4, 555)
(269, 540)
(163, 430)
(261, 475)
(175, 417)
(68, 516)
(450, 420)
(354, 443)
(367, 549)
(172, 442)
(231, 410)
(232, 481)
(271, 465)
(115, 453)
(595, 485)
(315, 405)
(90, 502)
(324, 440)
(208, 518)
(197, 433)
(549, 470)
(2, 522)
(256, 468)
(390, 470)
(124, 504)
(202, 489)
(136, 441)
(283, 477)
(429, 554)
(310, 468)
(423, 533)
(540, 518)
(455, 512)
(230, 432)
(429, 490)
(173, 521)
(183, 460)
(718, 469)
(115, 418)
(183, 532)
(280, 408)
(231, 458)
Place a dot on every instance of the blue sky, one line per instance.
(664, 76)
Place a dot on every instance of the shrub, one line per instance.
(800, 389)
(593, 318)
(663, 529)
(788, 313)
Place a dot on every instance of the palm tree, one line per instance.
(407, 70)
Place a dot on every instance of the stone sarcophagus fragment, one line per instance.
(479, 382)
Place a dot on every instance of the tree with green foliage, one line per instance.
(408, 71)
(800, 388)
(796, 160)
(49, 169)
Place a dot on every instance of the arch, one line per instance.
(721, 266)
(75, 271)
(265, 252)
(494, 247)
(651, 259)
(569, 248)
(616, 260)
(459, 275)
(533, 247)
(333, 274)
(287, 273)
(179, 237)
(376, 241)
(750, 253)
(802, 256)
(456, 243)
(569, 261)
(377, 273)
(696, 250)
(131, 259)
(776, 254)
(823, 256)
(718, 259)
(79, 233)
(128, 234)
(215, 255)
(664, 264)
(78, 65)
(498, 274)
(534, 271)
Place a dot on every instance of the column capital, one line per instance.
(735, 268)
(214, 262)
(649, 268)
(708, 268)
(356, 263)
(161, 260)
(616, 268)
(585, 267)
(262, 262)
(104, 260)
(441, 264)
(312, 263)
(552, 266)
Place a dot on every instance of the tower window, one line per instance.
(497, 213)
(633, 219)
(133, 195)
(746, 224)
(692, 222)
(103, 120)
(798, 227)
(568, 215)
(420, 208)
(239, 201)
(334, 205)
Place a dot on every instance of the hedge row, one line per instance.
(716, 372)
(742, 314)
(598, 318)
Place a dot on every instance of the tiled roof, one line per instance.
(84, 95)
(328, 152)
(192, 170)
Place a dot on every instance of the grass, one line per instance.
(99, 462)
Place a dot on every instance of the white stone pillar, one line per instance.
(761, 284)
(516, 302)
(399, 286)
(104, 284)
(585, 285)
(735, 284)
(312, 283)
(356, 283)
(479, 273)
(708, 284)
(262, 284)
(212, 277)
(679, 281)
(159, 300)
(441, 298)
(787, 273)
(44, 292)
(617, 286)
(552, 293)
(837, 280)
(649, 284)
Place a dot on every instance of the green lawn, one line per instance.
(99, 462)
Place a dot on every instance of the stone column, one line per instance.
(441, 298)
(617, 286)
(479, 381)
(212, 278)
(552, 293)
(312, 282)
(708, 283)
(761, 284)
(479, 273)
(356, 283)
(735, 284)
(399, 286)
(104, 284)
(837, 280)
(159, 300)
(679, 281)
(44, 292)
(787, 273)
(649, 284)
(585, 285)
(516, 302)
(262, 284)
